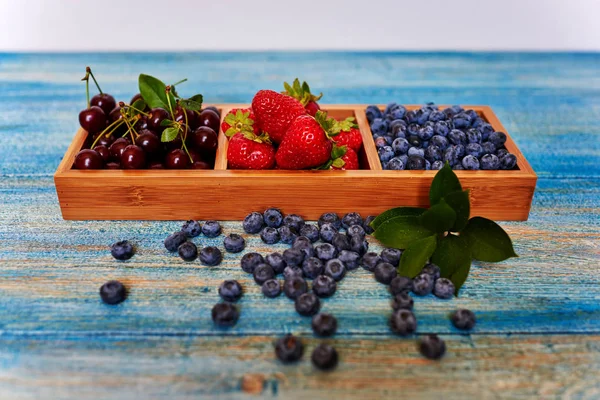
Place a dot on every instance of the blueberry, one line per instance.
(273, 217)
(271, 288)
(398, 112)
(250, 261)
(422, 115)
(327, 232)
(386, 153)
(225, 314)
(458, 166)
(400, 146)
(230, 290)
(415, 163)
(356, 230)
(425, 144)
(325, 251)
(351, 259)
(441, 128)
(398, 128)
(477, 121)
(330, 218)
(402, 301)
(403, 322)
(457, 137)
(389, 108)
(413, 130)
(416, 151)
(436, 116)
(262, 273)
(384, 273)
(403, 158)
(380, 142)
(359, 245)
(310, 231)
(304, 244)
(173, 241)
(463, 319)
(485, 130)
(470, 162)
(422, 284)
(335, 268)
(341, 242)
(472, 113)
(294, 286)
(324, 286)
(372, 113)
(425, 133)
(312, 267)
(293, 221)
(253, 223)
(276, 261)
(501, 153)
(474, 149)
(488, 148)
(211, 229)
(293, 257)
(188, 251)
(489, 162)
(352, 218)
(210, 256)
(414, 141)
(498, 138)
(460, 150)
(388, 140)
(391, 255)
(113, 292)
(370, 260)
(269, 235)
(473, 135)
(395, 164)
(461, 120)
(450, 155)
(307, 304)
(449, 112)
(432, 347)
(191, 228)
(289, 349)
(432, 270)
(411, 116)
(401, 284)
(443, 288)
(367, 224)
(457, 109)
(437, 165)
(288, 272)
(433, 153)
(324, 357)
(379, 126)
(287, 234)
(439, 141)
(508, 161)
(122, 250)
(234, 243)
(324, 324)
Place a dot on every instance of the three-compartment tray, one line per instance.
(231, 194)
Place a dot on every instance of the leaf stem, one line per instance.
(181, 81)
(89, 71)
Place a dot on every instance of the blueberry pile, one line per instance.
(428, 137)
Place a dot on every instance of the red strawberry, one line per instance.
(239, 119)
(248, 151)
(348, 161)
(301, 92)
(349, 135)
(275, 112)
(306, 143)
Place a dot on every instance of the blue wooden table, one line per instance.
(538, 333)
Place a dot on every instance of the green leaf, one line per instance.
(139, 104)
(487, 240)
(445, 182)
(166, 122)
(459, 201)
(416, 255)
(439, 218)
(451, 254)
(190, 105)
(198, 98)
(396, 212)
(460, 276)
(169, 134)
(153, 91)
(400, 232)
(338, 151)
(338, 163)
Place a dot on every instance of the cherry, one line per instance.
(312, 107)
(209, 118)
(117, 147)
(156, 165)
(115, 114)
(103, 151)
(192, 119)
(104, 140)
(204, 139)
(105, 101)
(149, 142)
(92, 119)
(201, 165)
(177, 159)
(195, 155)
(89, 159)
(215, 109)
(157, 115)
(141, 124)
(133, 157)
(113, 165)
(142, 131)
(178, 143)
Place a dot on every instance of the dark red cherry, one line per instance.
(133, 157)
(177, 159)
(156, 165)
(103, 151)
(117, 147)
(104, 140)
(142, 131)
(141, 124)
(178, 143)
(89, 159)
(195, 155)
(215, 109)
(92, 119)
(204, 139)
(192, 120)
(113, 165)
(150, 143)
(115, 114)
(201, 165)
(312, 108)
(209, 118)
(136, 98)
(105, 101)
(157, 115)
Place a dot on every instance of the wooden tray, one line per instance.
(224, 194)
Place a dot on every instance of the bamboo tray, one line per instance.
(225, 194)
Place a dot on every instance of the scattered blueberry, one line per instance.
(443, 288)
(253, 223)
(173, 241)
(351, 259)
(330, 218)
(211, 229)
(384, 273)
(422, 284)
(432, 347)
(188, 251)
(324, 357)
(310, 231)
(210, 256)
(432, 270)
(293, 221)
(401, 284)
(391, 255)
(262, 273)
(341, 242)
(273, 217)
(250, 261)
(403, 322)
(288, 272)
(113, 292)
(271, 288)
(122, 250)
(191, 228)
(335, 268)
(289, 349)
(312, 267)
(230, 290)
(327, 231)
(234, 243)
(276, 261)
(325, 251)
(402, 301)
(303, 244)
(324, 324)
(370, 260)
(463, 319)
(324, 286)
(367, 224)
(225, 314)
(307, 304)
(269, 235)
(294, 286)
(287, 234)
(293, 257)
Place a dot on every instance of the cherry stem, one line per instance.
(86, 78)
(139, 111)
(130, 129)
(168, 92)
(181, 81)
(89, 71)
(185, 136)
(106, 131)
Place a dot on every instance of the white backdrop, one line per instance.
(70, 25)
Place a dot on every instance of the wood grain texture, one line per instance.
(539, 314)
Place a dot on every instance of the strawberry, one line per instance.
(239, 119)
(248, 151)
(348, 161)
(301, 92)
(306, 143)
(275, 112)
(349, 135)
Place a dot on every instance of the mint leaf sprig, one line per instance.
(443, 233)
